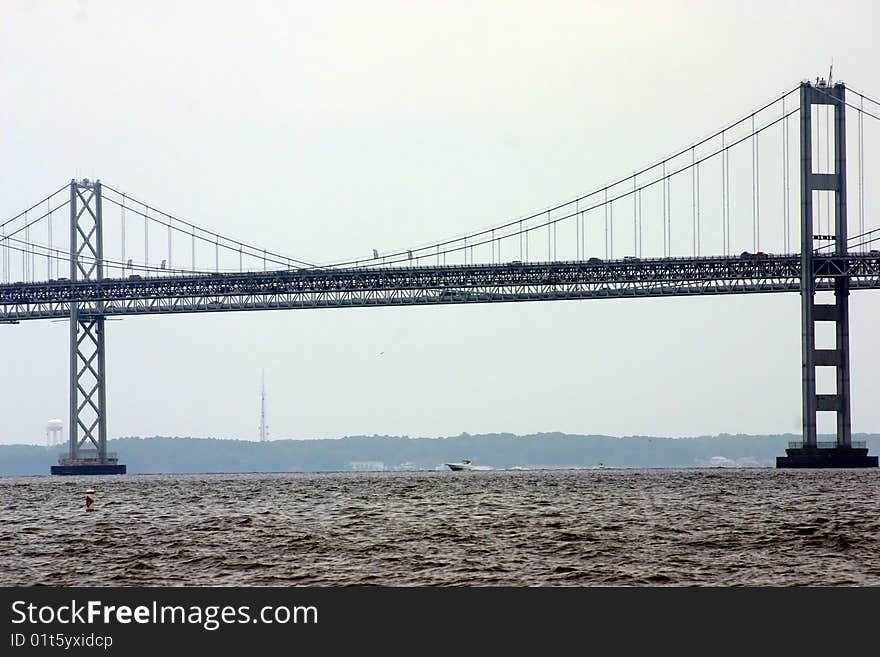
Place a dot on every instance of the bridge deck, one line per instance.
(337, 288)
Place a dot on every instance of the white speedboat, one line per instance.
(464, 464)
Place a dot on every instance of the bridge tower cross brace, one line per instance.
(811, 312)
(88, 385)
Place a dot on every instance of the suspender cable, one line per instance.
(754, 204)
(664, 209)
(194, 249)
(757, 193)
(611, 228)
(605, 208)
(583, 234)
(786, 229)
(728, 248)
(32, 261)
(520, 240)
(49, 260)
(669, 215)
(122, 226)
(25, 255)
(635, 214)
(698, 209)
(693, 201)
(549, 229)
(861, 167)
(640, 223)
(33, 264)
(723, 196)
(146, 236)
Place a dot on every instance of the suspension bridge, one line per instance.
(759, 206)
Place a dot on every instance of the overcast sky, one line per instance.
(325, 130)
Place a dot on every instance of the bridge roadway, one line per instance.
(431, 285)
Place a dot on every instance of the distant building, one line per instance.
(54, 432)
(367, 466)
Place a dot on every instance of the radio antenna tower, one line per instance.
(264, 428)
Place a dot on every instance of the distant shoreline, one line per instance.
(501, 451)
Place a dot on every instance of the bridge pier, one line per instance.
(88, 419)
(810, 453)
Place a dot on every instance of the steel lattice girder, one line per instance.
(86, 252)
(432, 285)
(89, 378)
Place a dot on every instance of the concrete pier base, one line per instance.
(823, 457)
(68, 466)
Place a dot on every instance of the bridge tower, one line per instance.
(811, 453)
(88, 419)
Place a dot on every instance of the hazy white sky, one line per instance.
(325, 130)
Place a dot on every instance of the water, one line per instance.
(547, 528)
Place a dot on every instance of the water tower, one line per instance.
(54, 432)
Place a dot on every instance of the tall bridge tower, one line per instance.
(87, 441)
(810, 453)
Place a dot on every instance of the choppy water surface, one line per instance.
(548, 528)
